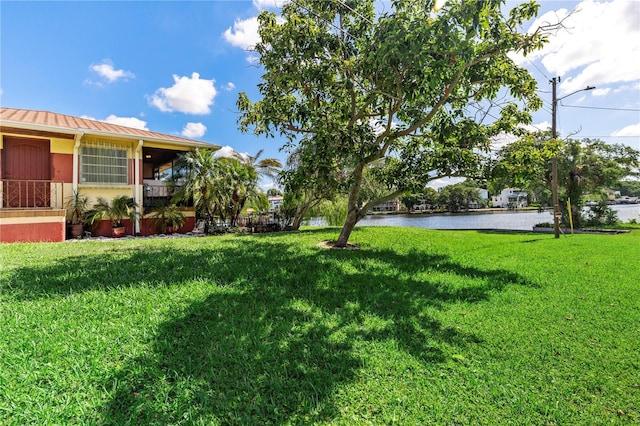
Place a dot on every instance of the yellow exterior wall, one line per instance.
(106, 192)
(61, 146)
(58, 145)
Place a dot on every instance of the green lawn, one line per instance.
(417, 327)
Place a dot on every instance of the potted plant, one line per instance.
(167, 219)
(119, 208)
(76, 208)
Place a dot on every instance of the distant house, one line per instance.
(510, 198)
(627, 200)
(389, 206)
(484, 197)
(274, 202)
(45, 157)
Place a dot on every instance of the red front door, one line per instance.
(26, 171)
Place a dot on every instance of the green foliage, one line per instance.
(221, 187)
(334, 212)
(600, 215)
(348, 88)
(630, 188)
(584, 167)
(526, 163)
(259, 203)
(167, 216)
(419, 327)
(427, 199)
(459, 196)
(76, 207)
(120, 207)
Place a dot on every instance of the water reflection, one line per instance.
(520, 220)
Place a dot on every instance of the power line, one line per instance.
(354, 11)
(609, 136)
(603, 108)
(342, 30)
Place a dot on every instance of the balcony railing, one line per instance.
(31, 194)
(159, 193)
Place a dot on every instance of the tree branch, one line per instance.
(395, 194)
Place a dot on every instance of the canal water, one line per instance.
(508, 220)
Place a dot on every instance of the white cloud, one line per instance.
(107, 71)
(244, 33)
(601, 92)
(229, 86)
(499, 141)
(190, 95)
(538, 127)
(194, 130)
(225, 152)
(626, 87)
(502, 139)
(269, 4)
(267, 185)
(442, 182)
(253, 59)
(132, 122)
(599, 45)
(228, 152)
(631, 130)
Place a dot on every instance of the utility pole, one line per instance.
(554, 164)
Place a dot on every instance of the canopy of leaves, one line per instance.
(459, 197)
(584, 166)
(411, 87)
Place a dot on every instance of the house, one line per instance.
(511, 198)
(483, 194)
(274, 202)
(45, 157)
(390, 206)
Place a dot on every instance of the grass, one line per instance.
(417, 327)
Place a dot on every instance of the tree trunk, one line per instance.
(347, 228)
(353, 212)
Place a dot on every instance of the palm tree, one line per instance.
(247, 172)
(221, 186)
(197, 177)
(266, 167)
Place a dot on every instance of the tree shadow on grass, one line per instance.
(281, 329)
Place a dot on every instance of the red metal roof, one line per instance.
(61, 122)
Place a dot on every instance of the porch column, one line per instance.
(137, 184)
(76, 161)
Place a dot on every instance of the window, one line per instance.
(103, 163)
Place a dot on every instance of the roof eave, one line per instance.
(83, 131)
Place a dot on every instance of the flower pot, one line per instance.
(118, 232)
(76, 230)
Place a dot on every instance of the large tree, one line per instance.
(459, 196)
(590, 165)
(526, 164)
(411, 88)
(584, 166)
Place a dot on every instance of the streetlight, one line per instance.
(554, 167)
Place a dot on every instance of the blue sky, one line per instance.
(177, 67)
